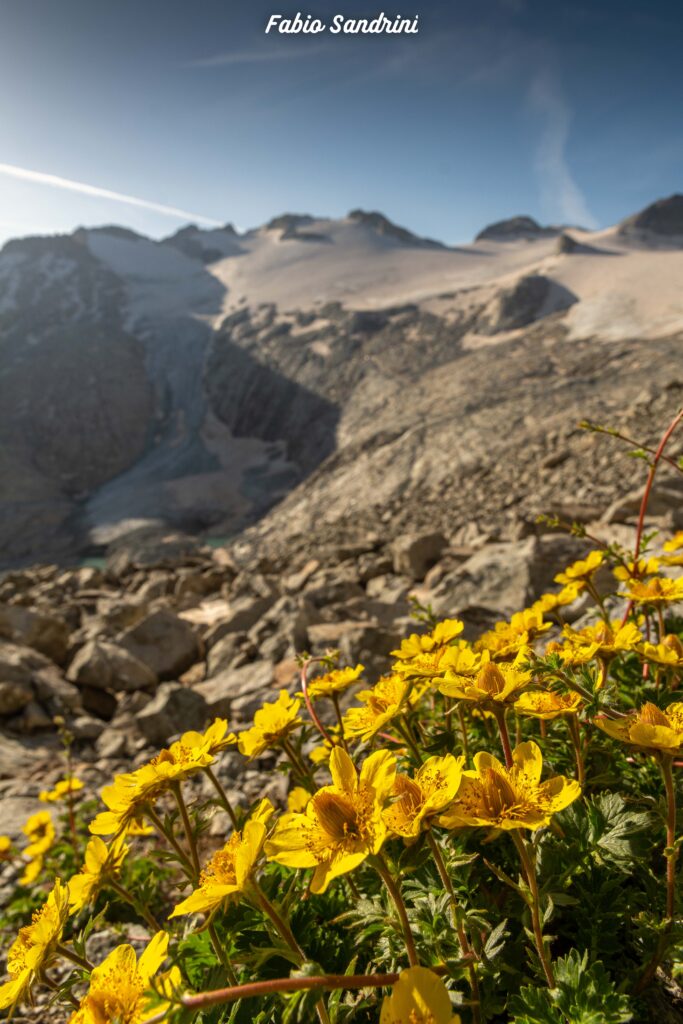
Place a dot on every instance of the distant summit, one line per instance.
(514, 228)
(206, 246)
(663, 218)
(290, 224)
(383, 226)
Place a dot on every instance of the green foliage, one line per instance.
(583, 994)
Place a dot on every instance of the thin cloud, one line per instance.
(39, 178)
(283, 52)
(560, 193)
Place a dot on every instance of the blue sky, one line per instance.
(567, 111)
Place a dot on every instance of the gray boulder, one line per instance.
(174, 709)
(163, 642)
(48, 634)
(239, 691)
(414, 553)
(26, 675)
(107, 666)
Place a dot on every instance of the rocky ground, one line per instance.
(168, 633)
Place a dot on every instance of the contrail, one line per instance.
(560, 191)
(103, 193)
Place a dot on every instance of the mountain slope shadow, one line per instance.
(255, 400)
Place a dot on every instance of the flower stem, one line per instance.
(138, 907)
(463, 730)
(221, 954)
(281, 926)
(54, 987)
(340, 719)
(405, 731)
(69, 954)
(297, 763)
(530, 872)
(285, 931)
(384, 873)
(573, 727)
(309, 703)
(499, 714)
(465, 947)
(659, 454)
(671, 857)
(170, 839)
(187, 825)
(660, 622)
(666, 764)
(222, 796)
(253, 989)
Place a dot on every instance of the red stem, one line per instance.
(309, 703)
(646, 497)
(262, 988)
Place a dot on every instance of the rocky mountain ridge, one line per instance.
(194, 383)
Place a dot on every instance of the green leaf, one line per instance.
(583, 994)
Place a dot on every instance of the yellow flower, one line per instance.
(212, 740)
(674, 550)
(40, 832)
(598, 641)
(34, 948)
(342, 824)
(272, 724)
(229, 870)
(62, 789)
(102, 863)
(583, 570)
(442, 636)
(137, 828)
(658, 590)
(645, 567)
(419, 799)
(508, 798)
(550, 602)
(650, 728)
(546, 704)
(507, 639)
(336, 681)
(32, 870)
(668, 653)
(6, 849)
(427, 656)
(387, 699)
(298, 798)
(120, 991)
(462, 663)
(129, 792)
(493, 684)
(418, 997)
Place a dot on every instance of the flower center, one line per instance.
(498, 794)
(651, 715)
(409, 793)
(337, 817)
(221, 867)
(491, 679)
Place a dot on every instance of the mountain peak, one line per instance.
(383, 226)
(663, 218)
(514, 228)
